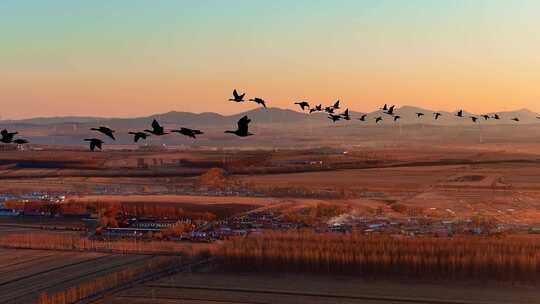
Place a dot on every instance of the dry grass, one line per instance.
(50, 241)
(511, 258)
(106, 282)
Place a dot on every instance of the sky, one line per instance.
(119, 58)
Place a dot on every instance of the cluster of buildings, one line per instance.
(31, 204)
(420, 226)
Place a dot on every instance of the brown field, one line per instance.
(508, 192)
(27, 273)
(232, 288)
(448, 182)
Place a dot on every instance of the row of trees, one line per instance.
(509, 258)
(50, 241)
(106, 282)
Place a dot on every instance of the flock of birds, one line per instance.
(388, 110)
(243, 124)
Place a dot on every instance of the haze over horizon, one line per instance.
(137, 58)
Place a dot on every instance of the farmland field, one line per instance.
(196, 288)
(25, 274)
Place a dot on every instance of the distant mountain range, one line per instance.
(285, 127)
(276, 116)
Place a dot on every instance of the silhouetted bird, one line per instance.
(363, 117)
(515, 119)
(157, 129)
(419, 114)
(317, 108)
(242, 127)
(345, 115)
(236, 97)
(336, 105)
(486, 117)
(329, 110)
(20, 141)
(7, 137)
(334, 117)
(377, 119)
(188, 132)
(437, 115)
(390, 110)
(496, 116)
(138, 135)
(459, 113)
(303, 104)
(259, 101)
(94, 143)
(474, 119)
(107, 131)
(385, 108)
(397, 117)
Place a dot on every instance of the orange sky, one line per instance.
(133, 60)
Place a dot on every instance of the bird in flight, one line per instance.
(107, 131)
(397, 117)
(345, 115)
(7, 137)
(515, 119)
(334, 117)
(474, 119)
(242, 130)
(20, 141)
(94, 143)
(138, 135)
(419, 114)
(329, 110)
(188, 132)
(385, 108)
(496, 116)
(157, 129)
(390, 110)
(317, 108)
(377, 119)
(459, 113)
(237, 97)
(336, 105)
(486, 117)
(363, 117)
(259, 101)
(437, 115)
(303, 104)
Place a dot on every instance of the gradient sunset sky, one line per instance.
(136, 58)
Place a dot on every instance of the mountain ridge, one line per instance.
(272, 116)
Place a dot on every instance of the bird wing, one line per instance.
(243, 124)
(235, 94)
(109, 133)
(336, 105)
(155, 124)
